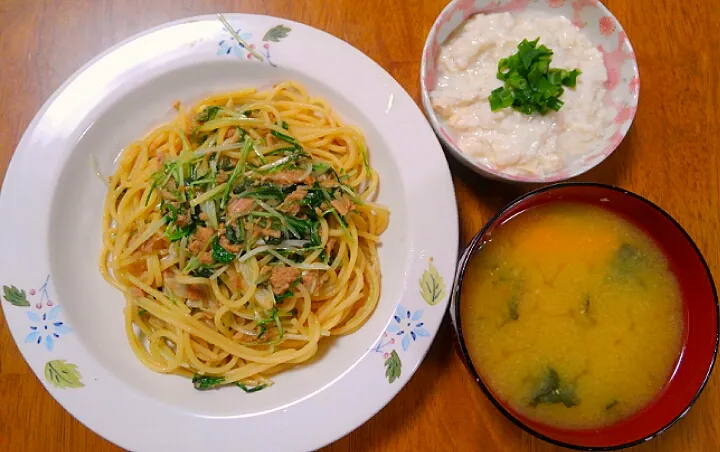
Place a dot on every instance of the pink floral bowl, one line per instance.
(601, 28)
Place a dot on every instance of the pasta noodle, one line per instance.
(241, 234)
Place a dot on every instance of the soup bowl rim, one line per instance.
(455, 301)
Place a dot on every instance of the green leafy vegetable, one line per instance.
(280, 164)
(192, 264)
(156, 178)
(263, 192)
(173, 169)
(225, 164)
(251, 389)
(285, 150)
(321, 168)
(336, 214)
(285, 138)
(259, 154)
(208, 114)
(287, 294)
(314, 197)
(235, 235)
(274, 317)
(278, 324)
(239, 169)
(315, 239)
(204, 181)
(220, 254)
(513, 306)
(627, 254)
(205, 382)
(551, 391)
(366, 164)
(626, 263)
(196, 136)
(172, 214)
(174, 233)
(531, 86)
(303, 228)
(202, 272)
(586, 306)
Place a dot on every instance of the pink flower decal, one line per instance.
(625, 114)
(556, 3)
(607, 26)
(614, 61)
(577, 7)
(250, 56)
(244, 48)
(509, 6)
(634, 85)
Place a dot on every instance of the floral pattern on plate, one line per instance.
(46, 327)
(245, 48)
(407, 326)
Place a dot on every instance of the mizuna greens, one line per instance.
(241, 234)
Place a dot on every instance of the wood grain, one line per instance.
(670, 156)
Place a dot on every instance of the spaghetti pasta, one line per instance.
(241, 234)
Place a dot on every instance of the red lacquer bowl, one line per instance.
(700, 337)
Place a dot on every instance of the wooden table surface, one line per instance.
(670, 156)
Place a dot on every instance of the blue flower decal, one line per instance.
(46, 328)
(407, 325)
(230, 45)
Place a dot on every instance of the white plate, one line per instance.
(69, 325)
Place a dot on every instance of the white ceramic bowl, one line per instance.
(601, 28)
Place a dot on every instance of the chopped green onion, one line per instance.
(571, 79)
(530, 85)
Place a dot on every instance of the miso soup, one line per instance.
(572, 316)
